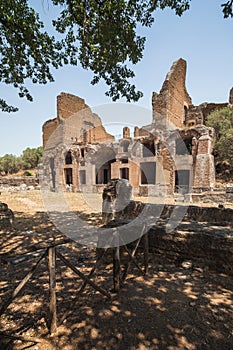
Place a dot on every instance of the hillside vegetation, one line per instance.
(28, 160)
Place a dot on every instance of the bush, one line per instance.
(27, 173)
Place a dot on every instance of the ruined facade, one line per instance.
(172, 154)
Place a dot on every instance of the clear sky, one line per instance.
(201, 36)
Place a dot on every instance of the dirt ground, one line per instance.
(176, 306)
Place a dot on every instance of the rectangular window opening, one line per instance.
(82, 176)
(124, 173)
(148, 173)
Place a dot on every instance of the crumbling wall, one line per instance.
(13, 181)
(48, 128)
(198, 114)
(68, 104)
(81, 124)
(173, 100)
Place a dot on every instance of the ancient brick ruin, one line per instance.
(171, 155)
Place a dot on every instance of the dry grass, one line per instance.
(36, 201)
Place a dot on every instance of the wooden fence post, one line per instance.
(52, 289)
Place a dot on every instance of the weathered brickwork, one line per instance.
(68, 104)
(81, 125)
(173, 100)
(198, 114)
(48, 128)
(172, 154)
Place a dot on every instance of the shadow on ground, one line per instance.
(174, 307)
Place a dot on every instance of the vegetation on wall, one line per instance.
(222, 121)
(30, 158)
(99, 35)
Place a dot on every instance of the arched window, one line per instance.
(148, 149)
(184, 146)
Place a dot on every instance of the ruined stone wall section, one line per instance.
(207, 108)
(68, 104)
(173, 98)
(48, 128)
(82, 125)
(99, 135)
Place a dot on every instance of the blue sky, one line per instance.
(201, 36)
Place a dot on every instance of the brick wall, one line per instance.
(68, 104)
(170, 103)
(86, 125)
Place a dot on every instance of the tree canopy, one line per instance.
(29, 159)
(222, 122)
(99, 35)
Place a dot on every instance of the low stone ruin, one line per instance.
(116, 197)
(12, 184)
(6, 216)
(201, 234)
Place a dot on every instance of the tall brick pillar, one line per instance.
(204, 171)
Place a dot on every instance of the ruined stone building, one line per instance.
(172, 154)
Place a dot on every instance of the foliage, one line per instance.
(10, 164)
(227, 9)
(222, 121)
(27, 173)
(31, 157)
(25, 51)
(100, 35)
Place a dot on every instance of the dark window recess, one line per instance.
(124, 173)
(159, 148)
(69, 176)
(103, 174)
(148, 173)
(82, 152)
(68, 159)
(182, 181)
(125, 146)
(106, 176)
(82, 176)
(184, 146)
(185, 114)
(53, 173)
(124, 161)
(84, 135)
(148, 149)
